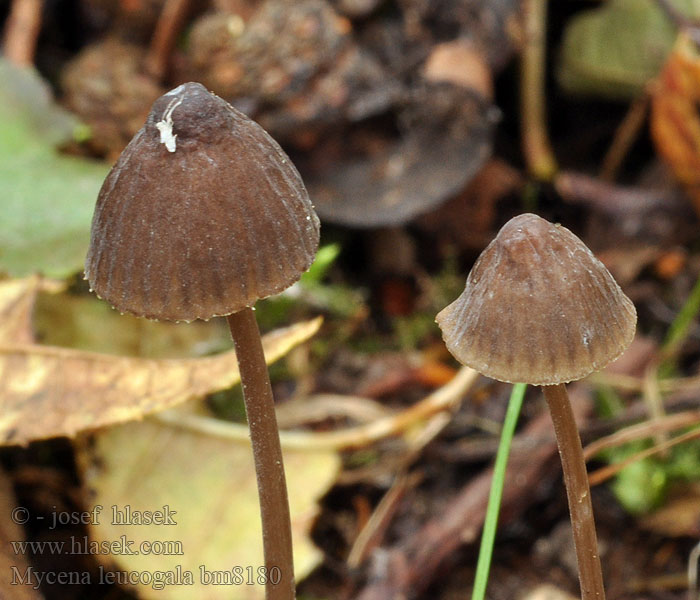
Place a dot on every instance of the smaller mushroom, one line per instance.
(539, 308)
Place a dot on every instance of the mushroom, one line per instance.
(389, 181)
(539, 308)
(202, 215)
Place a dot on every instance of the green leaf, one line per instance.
(47, 199)
(325, 257)
(614, 50)
(641, 486)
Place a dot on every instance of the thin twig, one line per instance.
(641, 431)
(440, 400)
(653, 400)
(536, 146)
(629, 383)
(605, 473)
(168, 27)
(373, 531)
(625, 135)
(319, 407)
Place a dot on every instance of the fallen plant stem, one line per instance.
(653, 400)
(319, 407)
(629, 383)
(624, 137)
(605, 473)
(170, 23)
(536, 146)
(642, 431)
(445, 398)
(371, 534)
(485, 449)
(374, 529)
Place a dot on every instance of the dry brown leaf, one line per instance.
(675, 125)
(207, 487)
(16, 304)
(47, 391)
(13, 562)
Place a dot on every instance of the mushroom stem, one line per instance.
(269, 468)
(578, 492)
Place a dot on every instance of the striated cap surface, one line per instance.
(538, 308)
(202, 215)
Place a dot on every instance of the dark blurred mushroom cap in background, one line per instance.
(106, 86)
(448, 131)
(202, 215)
(538, 308)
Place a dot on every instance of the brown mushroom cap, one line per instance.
(202, 215)
(538, 308)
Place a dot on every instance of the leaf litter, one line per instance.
(49, 391)
(207, 481)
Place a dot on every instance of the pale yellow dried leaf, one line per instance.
(16, 303)
(547, 592)
(47, 391)
(210, 483)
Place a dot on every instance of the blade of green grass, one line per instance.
(494, 505)
(679, 330)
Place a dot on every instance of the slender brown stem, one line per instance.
(264, 436)
(536, 147)
(578, 492)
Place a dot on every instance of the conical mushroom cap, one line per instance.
(538, 308)
(202, 215)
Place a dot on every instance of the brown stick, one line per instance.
(578, 492)
(625, 135)
(264, 436)
(168, 27)
(21, 32)
(605, 473)
(538, 152)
